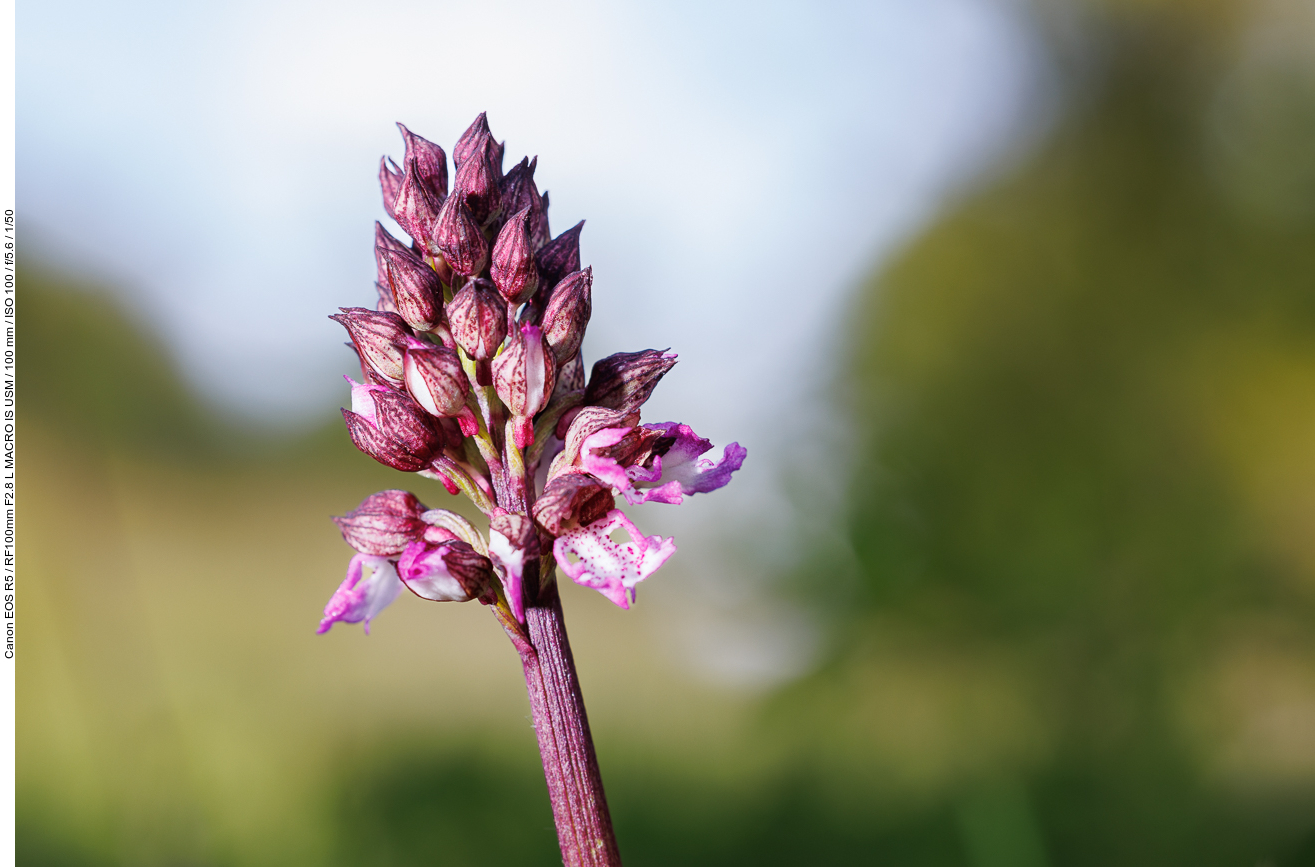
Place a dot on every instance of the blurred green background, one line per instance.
(1068, 592)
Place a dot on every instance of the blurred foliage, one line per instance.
(1075, 627)
(1084, 464)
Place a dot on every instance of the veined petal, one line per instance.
(664, 471)
(604, 467)
(610, 567)
(681, 470)
(357, 600)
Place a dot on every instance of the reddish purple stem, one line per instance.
(575, 787)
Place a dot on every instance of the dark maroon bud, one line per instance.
(523, 377)
(384, 524)
(403, 420)
(540, 234)
(519, 192)
(458, 238)
(469, 140)
(570, 376)
(375, 443)
(390, 180)
(624, 381)
(513, 269)
(567, 314)
(417, 208)
(416, 290)
(430, 161)
(561, 255)
(479, 319)
(379, 338)
(390, 427)
(383, 238)
(477, 180)
(572, 500)
(434, 377)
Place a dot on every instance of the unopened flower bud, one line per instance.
(384, 238)
(479, 319)
(458, 238)
(469, 140)
(561, 255)
(435, 379)
(390, 181)
(477, 180)
(523, 376)
(570, 501)
(431, 162)
(384, 524)
(625, 381)
(519, 192)
(379, 337)
(390, 427)
(416, 290)
(567, 314)
(449, 571)
(570, 376)
(417, 207)
(540, 234)
(513, 269)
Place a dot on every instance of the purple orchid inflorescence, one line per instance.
(472, 375)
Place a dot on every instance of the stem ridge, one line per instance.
(575, 785)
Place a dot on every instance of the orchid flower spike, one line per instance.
(474, 377)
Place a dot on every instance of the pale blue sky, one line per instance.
(740, 166)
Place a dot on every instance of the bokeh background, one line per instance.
(1012, 303)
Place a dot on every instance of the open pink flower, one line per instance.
(670, 471)
(359, 601)
(594, 559)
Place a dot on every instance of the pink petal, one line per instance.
(469, 424)
(677, 473)
(602, 467)
(356, 600)
(684, 472)
(612, 568)
(513, 575)
(362, 402)
(425, 573)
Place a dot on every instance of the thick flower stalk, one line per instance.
(472, 375)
